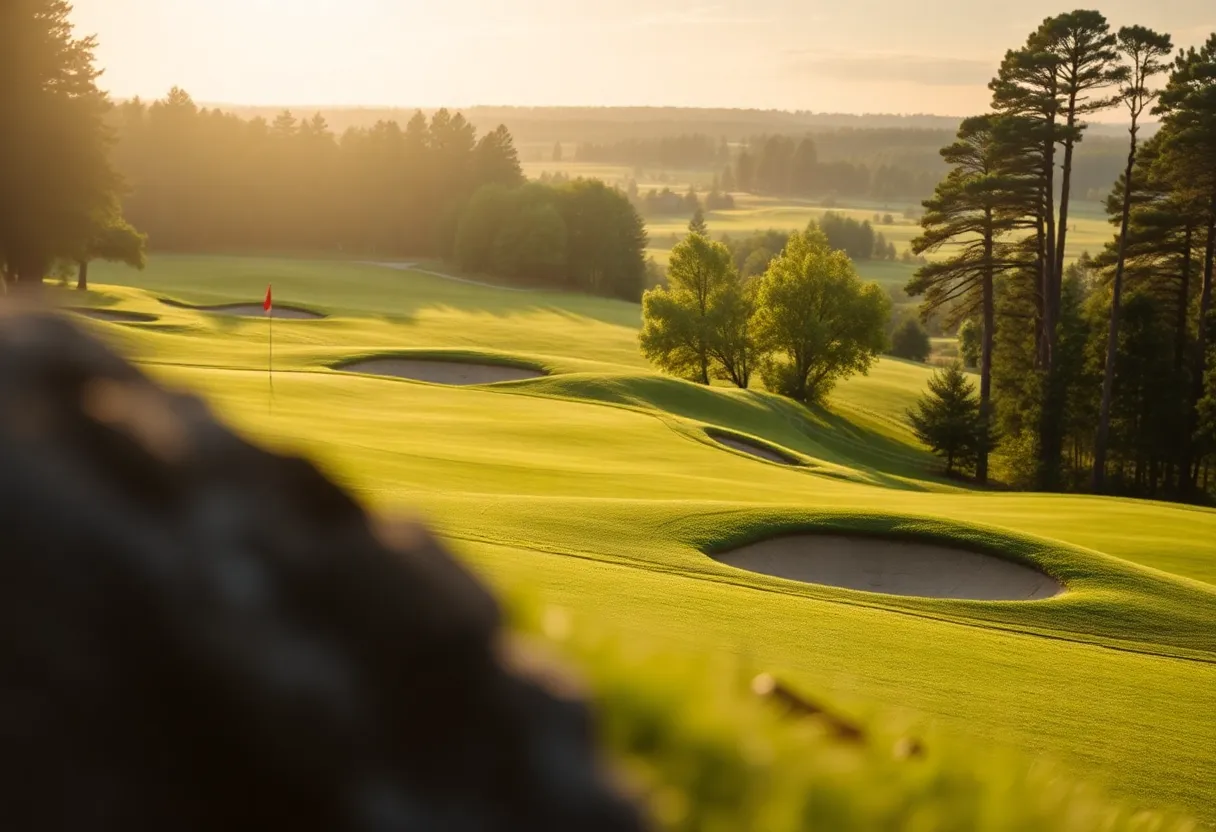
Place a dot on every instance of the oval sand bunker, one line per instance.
(114, 316)
(753, 448)
(254, 310)
(249, 310)
(893, 567)
(441, 372)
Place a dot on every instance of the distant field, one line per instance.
(1089, 229)
(597, 488)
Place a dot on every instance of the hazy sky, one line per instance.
(822, 55)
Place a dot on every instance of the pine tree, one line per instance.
(55, 171)
(697, 224)
(1144, 51)
(947, 418)
(1188, 107)
(975, 206)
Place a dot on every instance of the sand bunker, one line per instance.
(753, 448)
(250, 310)
(893, 567)
(441, 372)
(254, 310)
(115, 316)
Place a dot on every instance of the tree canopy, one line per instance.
(816, 322)
(55, 170)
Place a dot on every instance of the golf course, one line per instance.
(527, 429)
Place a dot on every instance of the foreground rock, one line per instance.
(199, 634)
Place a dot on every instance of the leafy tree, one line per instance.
(480, 223)
(816, 322)
(1144, 52)
(606, 240)
(699, 317)
(557, 151)
(970, 340)
(947, 418)
(532, 242)
(911, 341)
(697, 224)
(55, 171)
(115, 240)
(733, 345)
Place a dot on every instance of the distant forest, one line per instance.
(879, 157)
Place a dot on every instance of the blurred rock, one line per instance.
(197, 634)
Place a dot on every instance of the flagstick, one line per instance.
(270, 358)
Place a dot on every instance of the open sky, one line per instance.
(890, 56)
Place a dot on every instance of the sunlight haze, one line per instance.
(861, 56)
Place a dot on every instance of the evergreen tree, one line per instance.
(979, 202)
(1188, 106)
(495, 160)
(697, 224)
(1144, 51)
(55, 173)
(947, 418)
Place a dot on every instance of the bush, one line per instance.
(911, 341)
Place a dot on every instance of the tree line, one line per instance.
(79, 175)
(201, 179)
(582, 235)
(1095, 375)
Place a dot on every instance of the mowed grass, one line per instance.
(597, 489)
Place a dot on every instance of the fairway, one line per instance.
(588, 481)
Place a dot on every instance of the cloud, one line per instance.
(922, 70)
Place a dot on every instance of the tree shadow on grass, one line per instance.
(886, 460)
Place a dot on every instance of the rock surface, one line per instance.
(199, 634)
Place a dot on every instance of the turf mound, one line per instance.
(438, 371)
(748, 446)
(893, 567)
(251, 310)
(114, 316)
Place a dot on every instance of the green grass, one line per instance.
(597, 489)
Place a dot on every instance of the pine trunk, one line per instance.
(988, 335)
(1112, 335)
(1190, 472)
(82, 276)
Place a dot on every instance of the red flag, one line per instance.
(267, 305)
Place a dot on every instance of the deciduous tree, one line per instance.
(816, 322)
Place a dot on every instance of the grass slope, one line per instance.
(597, 488)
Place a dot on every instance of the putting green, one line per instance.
(599, 487)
